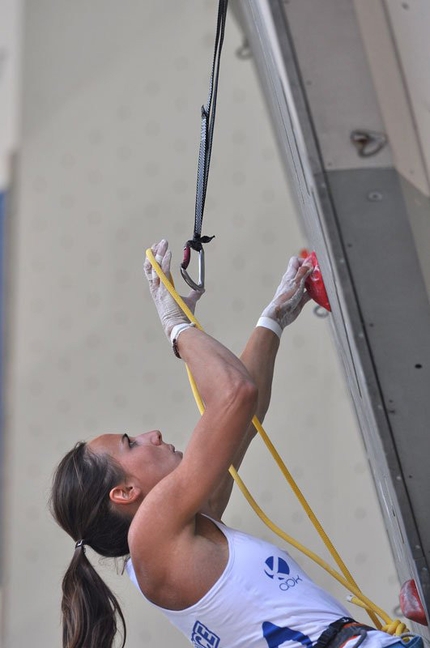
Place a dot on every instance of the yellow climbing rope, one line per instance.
(393, 627)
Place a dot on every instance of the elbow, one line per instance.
(233, 389)
(244, 394)
(252, 399)
(251, 395)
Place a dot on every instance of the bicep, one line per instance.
(173, 503)
(212, 449)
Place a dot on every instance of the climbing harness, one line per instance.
(340, 631)
(204, 161)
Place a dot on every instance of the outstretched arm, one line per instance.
(259, 358)
(230, 397)
(214, 367)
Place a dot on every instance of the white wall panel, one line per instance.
(335, 73)
(391, 86)
(410, 22)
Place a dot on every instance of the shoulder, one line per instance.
(176, 575)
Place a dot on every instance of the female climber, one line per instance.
(139, 498)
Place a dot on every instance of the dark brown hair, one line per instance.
(80, 504)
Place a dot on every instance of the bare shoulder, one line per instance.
(178, 572)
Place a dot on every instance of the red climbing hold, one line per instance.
(410, 603)
(314, 283)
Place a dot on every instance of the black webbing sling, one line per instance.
(205, 150)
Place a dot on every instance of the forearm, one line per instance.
(211, 364)
(259, 358)
(215, 369)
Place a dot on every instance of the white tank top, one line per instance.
(263, 599)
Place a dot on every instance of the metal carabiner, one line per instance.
(200, 286)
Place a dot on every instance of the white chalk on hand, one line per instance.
(158, 259)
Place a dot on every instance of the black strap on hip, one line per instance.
(206, 136)
(340, 631)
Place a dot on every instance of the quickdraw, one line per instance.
(192, 245)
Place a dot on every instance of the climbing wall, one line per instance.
(364, 201)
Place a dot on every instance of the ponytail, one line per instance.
(80, 504)
(88, 607)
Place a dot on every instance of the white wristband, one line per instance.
(268, 322)
(176, 331)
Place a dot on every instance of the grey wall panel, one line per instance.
(395, 314)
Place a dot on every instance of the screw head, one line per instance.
(374, 196)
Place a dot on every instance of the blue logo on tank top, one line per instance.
(202, 637)
(278, 570)
(276, 636)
